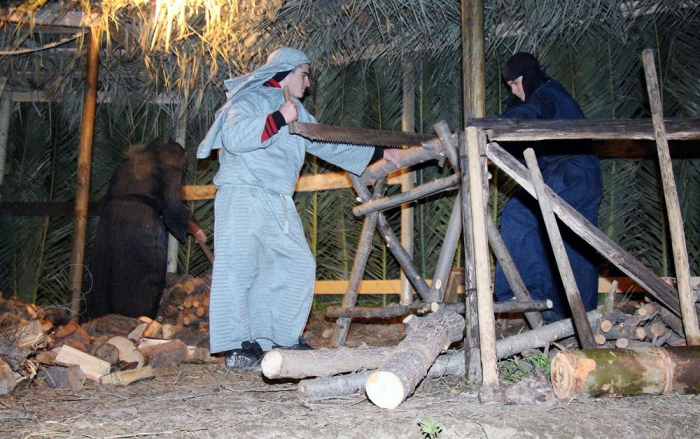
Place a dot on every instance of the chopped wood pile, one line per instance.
(43, 346)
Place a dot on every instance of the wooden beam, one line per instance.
(502, 130)
(393, 286)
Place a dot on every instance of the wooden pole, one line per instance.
(487, 322)
(82, 193)
(578, 312)
(472, 355)
(473, 75)
(180, 134)
(364, 247)
(680, 253)
(407, 177)
(5, 112)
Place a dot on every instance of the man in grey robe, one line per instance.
(264, 271)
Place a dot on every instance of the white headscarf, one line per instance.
(281, 60)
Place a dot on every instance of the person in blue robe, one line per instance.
(569, 168)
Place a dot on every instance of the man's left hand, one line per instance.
(392, 154)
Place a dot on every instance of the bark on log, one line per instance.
(334, 387)
(422, 191)
(279, 363)
(426, 337)
(540, 337)
(624, 331)
(626, 372)
(520, 130)
(64, 378)
(167, 354)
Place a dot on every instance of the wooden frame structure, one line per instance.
(468, 152)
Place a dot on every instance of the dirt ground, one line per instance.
(208, 401)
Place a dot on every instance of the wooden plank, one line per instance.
(502, 130)
(41, 208)
(673, 208)
(393, 286)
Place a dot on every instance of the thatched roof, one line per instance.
(161, 63)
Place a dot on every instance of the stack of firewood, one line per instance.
(46, 348)
(649, 324)
(185, 302)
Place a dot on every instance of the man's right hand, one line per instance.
(289, 111)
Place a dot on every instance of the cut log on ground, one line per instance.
(124, 377)
(334, 387)
(626, 372)
(93, 367)
(167, 354)
(279, 363)
(425, 338)
(64, 378)
(541, 337)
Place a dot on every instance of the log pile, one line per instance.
(647, 325)
(184, 308)
(44, 347)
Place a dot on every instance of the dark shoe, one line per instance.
(301, 346)
(247, 358)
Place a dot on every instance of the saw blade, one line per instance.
(359, 136)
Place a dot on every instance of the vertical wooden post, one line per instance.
(583, 328)
(487, 321)
(5, 110)
(472, 355)
(180, 134)
(473, 76)
(407, 219)
(82, 193)
(680, 252)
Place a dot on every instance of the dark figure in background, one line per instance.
(129, 259)
(571, 170)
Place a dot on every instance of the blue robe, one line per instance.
(571, 170)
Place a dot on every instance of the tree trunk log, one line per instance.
(426, 338)
(279, 363)
(540, 337)
(626, 372)
(334, 387)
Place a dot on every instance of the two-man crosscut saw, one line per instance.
(359, 136)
